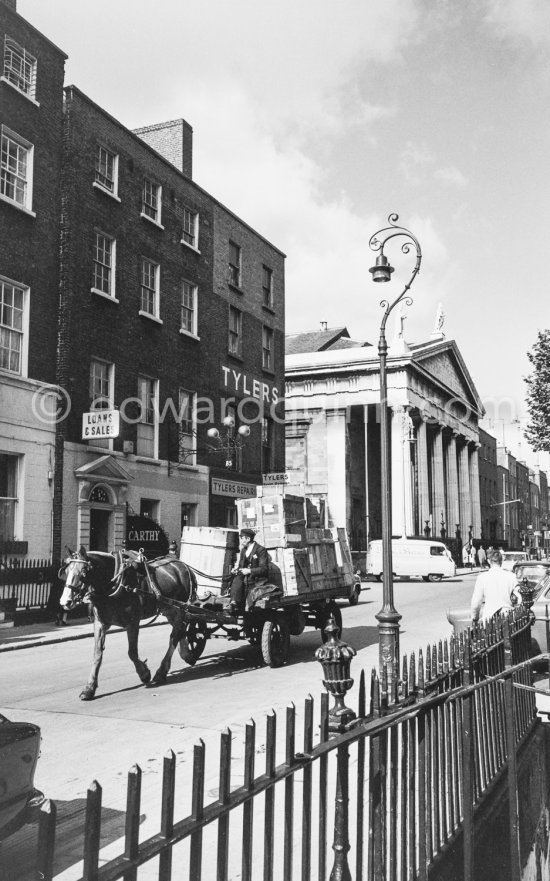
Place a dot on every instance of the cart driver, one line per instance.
(250, 571)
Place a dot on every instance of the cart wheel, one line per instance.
(192, 645)
(354, 596)
(255, 635)
(275, 642)
(336, 613)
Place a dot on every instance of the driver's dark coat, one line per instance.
(257, 562)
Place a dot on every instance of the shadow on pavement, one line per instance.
(19, 852)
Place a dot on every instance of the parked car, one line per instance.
(510, 558)
(19, 751)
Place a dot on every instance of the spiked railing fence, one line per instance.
(392, 792)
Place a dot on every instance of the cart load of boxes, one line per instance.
(303, 559)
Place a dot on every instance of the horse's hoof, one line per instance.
(87, 694)
(156, 680)
(146, 678)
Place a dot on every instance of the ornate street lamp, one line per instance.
(388, 617)
(228, 443)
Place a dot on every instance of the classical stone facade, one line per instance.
(332, 407)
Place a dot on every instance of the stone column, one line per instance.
(422, 465)
(464, 490)
(474, 487)
(401, 472)
(366, 436)
(337, 484)
(453, 510)
(439, 507)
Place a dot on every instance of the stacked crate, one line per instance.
(278, 520)
(211, 552)
(279, 523)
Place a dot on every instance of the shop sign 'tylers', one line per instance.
(100, 423)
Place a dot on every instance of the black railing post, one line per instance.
(335, 657)
(515, 869)
(468, 768)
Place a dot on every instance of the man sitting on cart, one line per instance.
(251, 570)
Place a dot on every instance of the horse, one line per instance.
(121, 589)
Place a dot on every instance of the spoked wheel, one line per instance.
(255, 634)
(324, 618)
(192, 645)
(275, 642)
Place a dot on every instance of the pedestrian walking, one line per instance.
(482, 557)
(495, 590)
(472, 555)
(465, 556)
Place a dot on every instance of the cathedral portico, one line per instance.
(332, 411)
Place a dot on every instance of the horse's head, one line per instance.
(75, 573)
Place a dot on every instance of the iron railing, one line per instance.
(26, 584)
(399, 787)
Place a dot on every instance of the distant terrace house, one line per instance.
(333, 433)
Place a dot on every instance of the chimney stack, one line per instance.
(323, 325)
(173, 140)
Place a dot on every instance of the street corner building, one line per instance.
(332, 402)
(139, 315)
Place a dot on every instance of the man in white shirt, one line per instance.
(495, 590)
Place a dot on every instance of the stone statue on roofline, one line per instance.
(437, 332)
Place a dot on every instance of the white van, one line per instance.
(425, 558)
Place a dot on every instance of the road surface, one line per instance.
(128, 724)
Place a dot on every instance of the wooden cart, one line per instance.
(310, 569)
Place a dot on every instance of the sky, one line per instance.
(314, 121)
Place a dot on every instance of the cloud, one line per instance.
(526, 20)
(451, 176)
(415, 162)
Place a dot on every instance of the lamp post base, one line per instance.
(388, 641)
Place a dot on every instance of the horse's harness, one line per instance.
(124, 561)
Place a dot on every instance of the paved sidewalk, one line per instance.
(47, 632)
(27, 636)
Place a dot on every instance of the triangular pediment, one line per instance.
(445, 364)
(105, 468)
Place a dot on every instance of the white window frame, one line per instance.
(23, 331)
(21, 76)
(151, 202)
(150, 287)
(14, 499)
(189, 289)
(104, 174)
(102, 401)
(235, 268)
(148, 425)
(235, 340)
(267, 289)
(110, 266)
(187, 428)
(267, 348)
(11, 139)
(190, 228)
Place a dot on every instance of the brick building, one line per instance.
(165, 309)
(171, 320)
(31, 101)
(488, 489)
